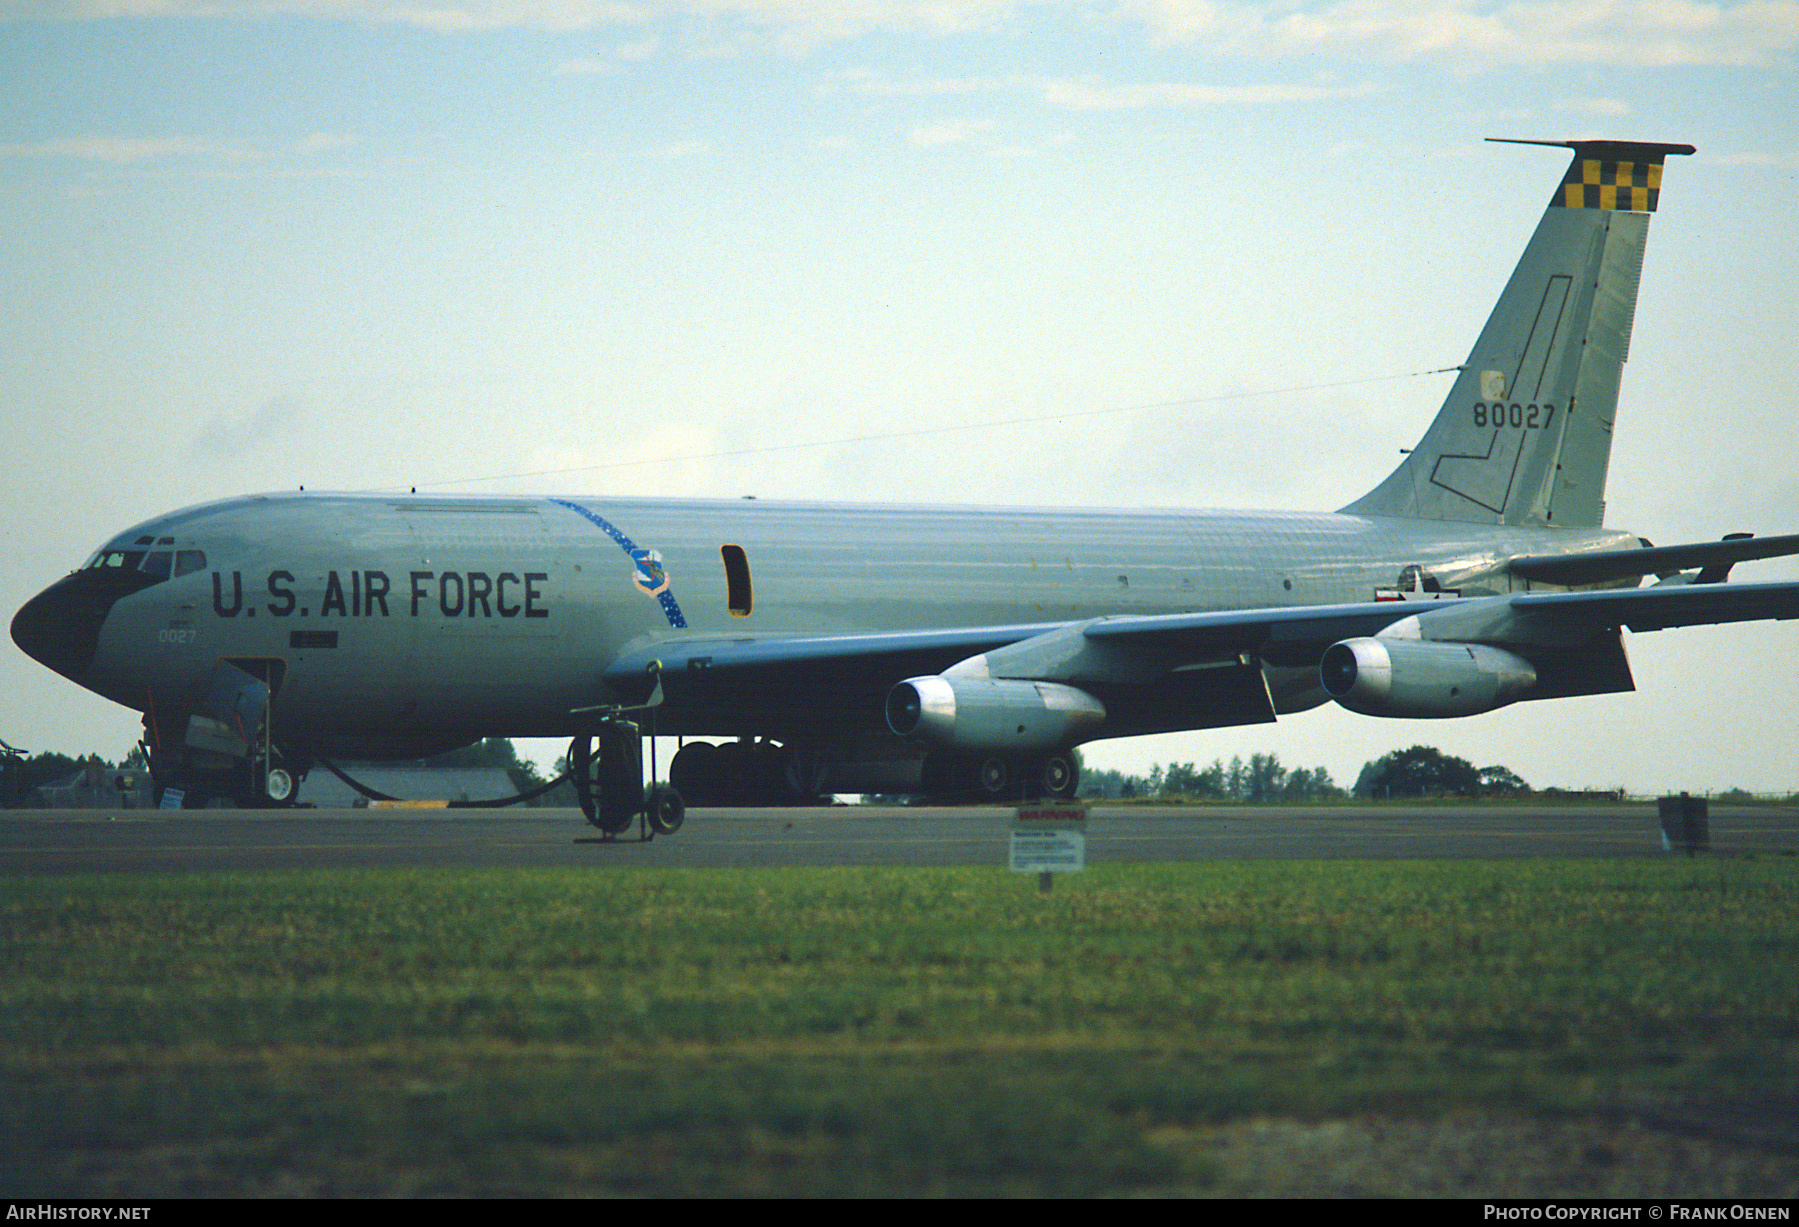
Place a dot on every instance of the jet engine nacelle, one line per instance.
(1421, 679)
(971, 713)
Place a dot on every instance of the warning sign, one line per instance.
(1049, 839)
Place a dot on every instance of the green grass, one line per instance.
(848, 1031)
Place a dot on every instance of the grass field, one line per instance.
(1142, 1029)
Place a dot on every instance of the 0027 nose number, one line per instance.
(181, 635)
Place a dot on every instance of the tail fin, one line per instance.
(1526, 434)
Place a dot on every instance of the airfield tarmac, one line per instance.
(127, 841)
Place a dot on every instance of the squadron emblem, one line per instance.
(650, 576)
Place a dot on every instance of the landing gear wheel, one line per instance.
(664, 809)
(1059, 777)
(733, 776)
(694, 773)
(991, 775)
(279, 786)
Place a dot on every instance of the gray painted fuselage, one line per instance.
(456, 618)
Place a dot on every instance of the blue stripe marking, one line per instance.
(666, 598)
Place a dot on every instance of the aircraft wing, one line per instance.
(844, 672)
(898, 654)
(1640, 609)
(713, 655)
(752, 683)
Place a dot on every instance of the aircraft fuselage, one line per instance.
(417, 619)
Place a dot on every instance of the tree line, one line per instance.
(1260, 780)
(1418, 771)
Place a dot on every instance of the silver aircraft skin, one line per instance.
(900, 648)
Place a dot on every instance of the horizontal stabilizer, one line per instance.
(1574, 569)
(1655, 609)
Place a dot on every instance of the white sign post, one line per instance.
(1049, 839)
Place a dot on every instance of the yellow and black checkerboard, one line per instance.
(1619, 175)
(1596, 183)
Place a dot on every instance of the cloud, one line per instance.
(1593, 106)
(1058, 141)
(1465, 35)
(1084, 94)
(129, 150)
(452, 16)
(1477, 34)
(1091, 94)
(634, 52)
(948, 132)
(236, 436)
(1767, 161)
(585, 65)
(322, 142)
(121, 150)
(868, 81)
(795, 25)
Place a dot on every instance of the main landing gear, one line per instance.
(1001, 777)
(766, 773)
(753, 773)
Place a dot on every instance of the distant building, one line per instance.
(326, 791)
(96, 786)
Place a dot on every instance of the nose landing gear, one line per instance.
(226, 750)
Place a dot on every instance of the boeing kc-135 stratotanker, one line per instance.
(926, 649)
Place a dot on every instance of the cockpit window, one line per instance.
(159, 564)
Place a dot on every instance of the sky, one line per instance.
(1176, 253)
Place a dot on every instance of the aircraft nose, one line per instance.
(60, 626)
